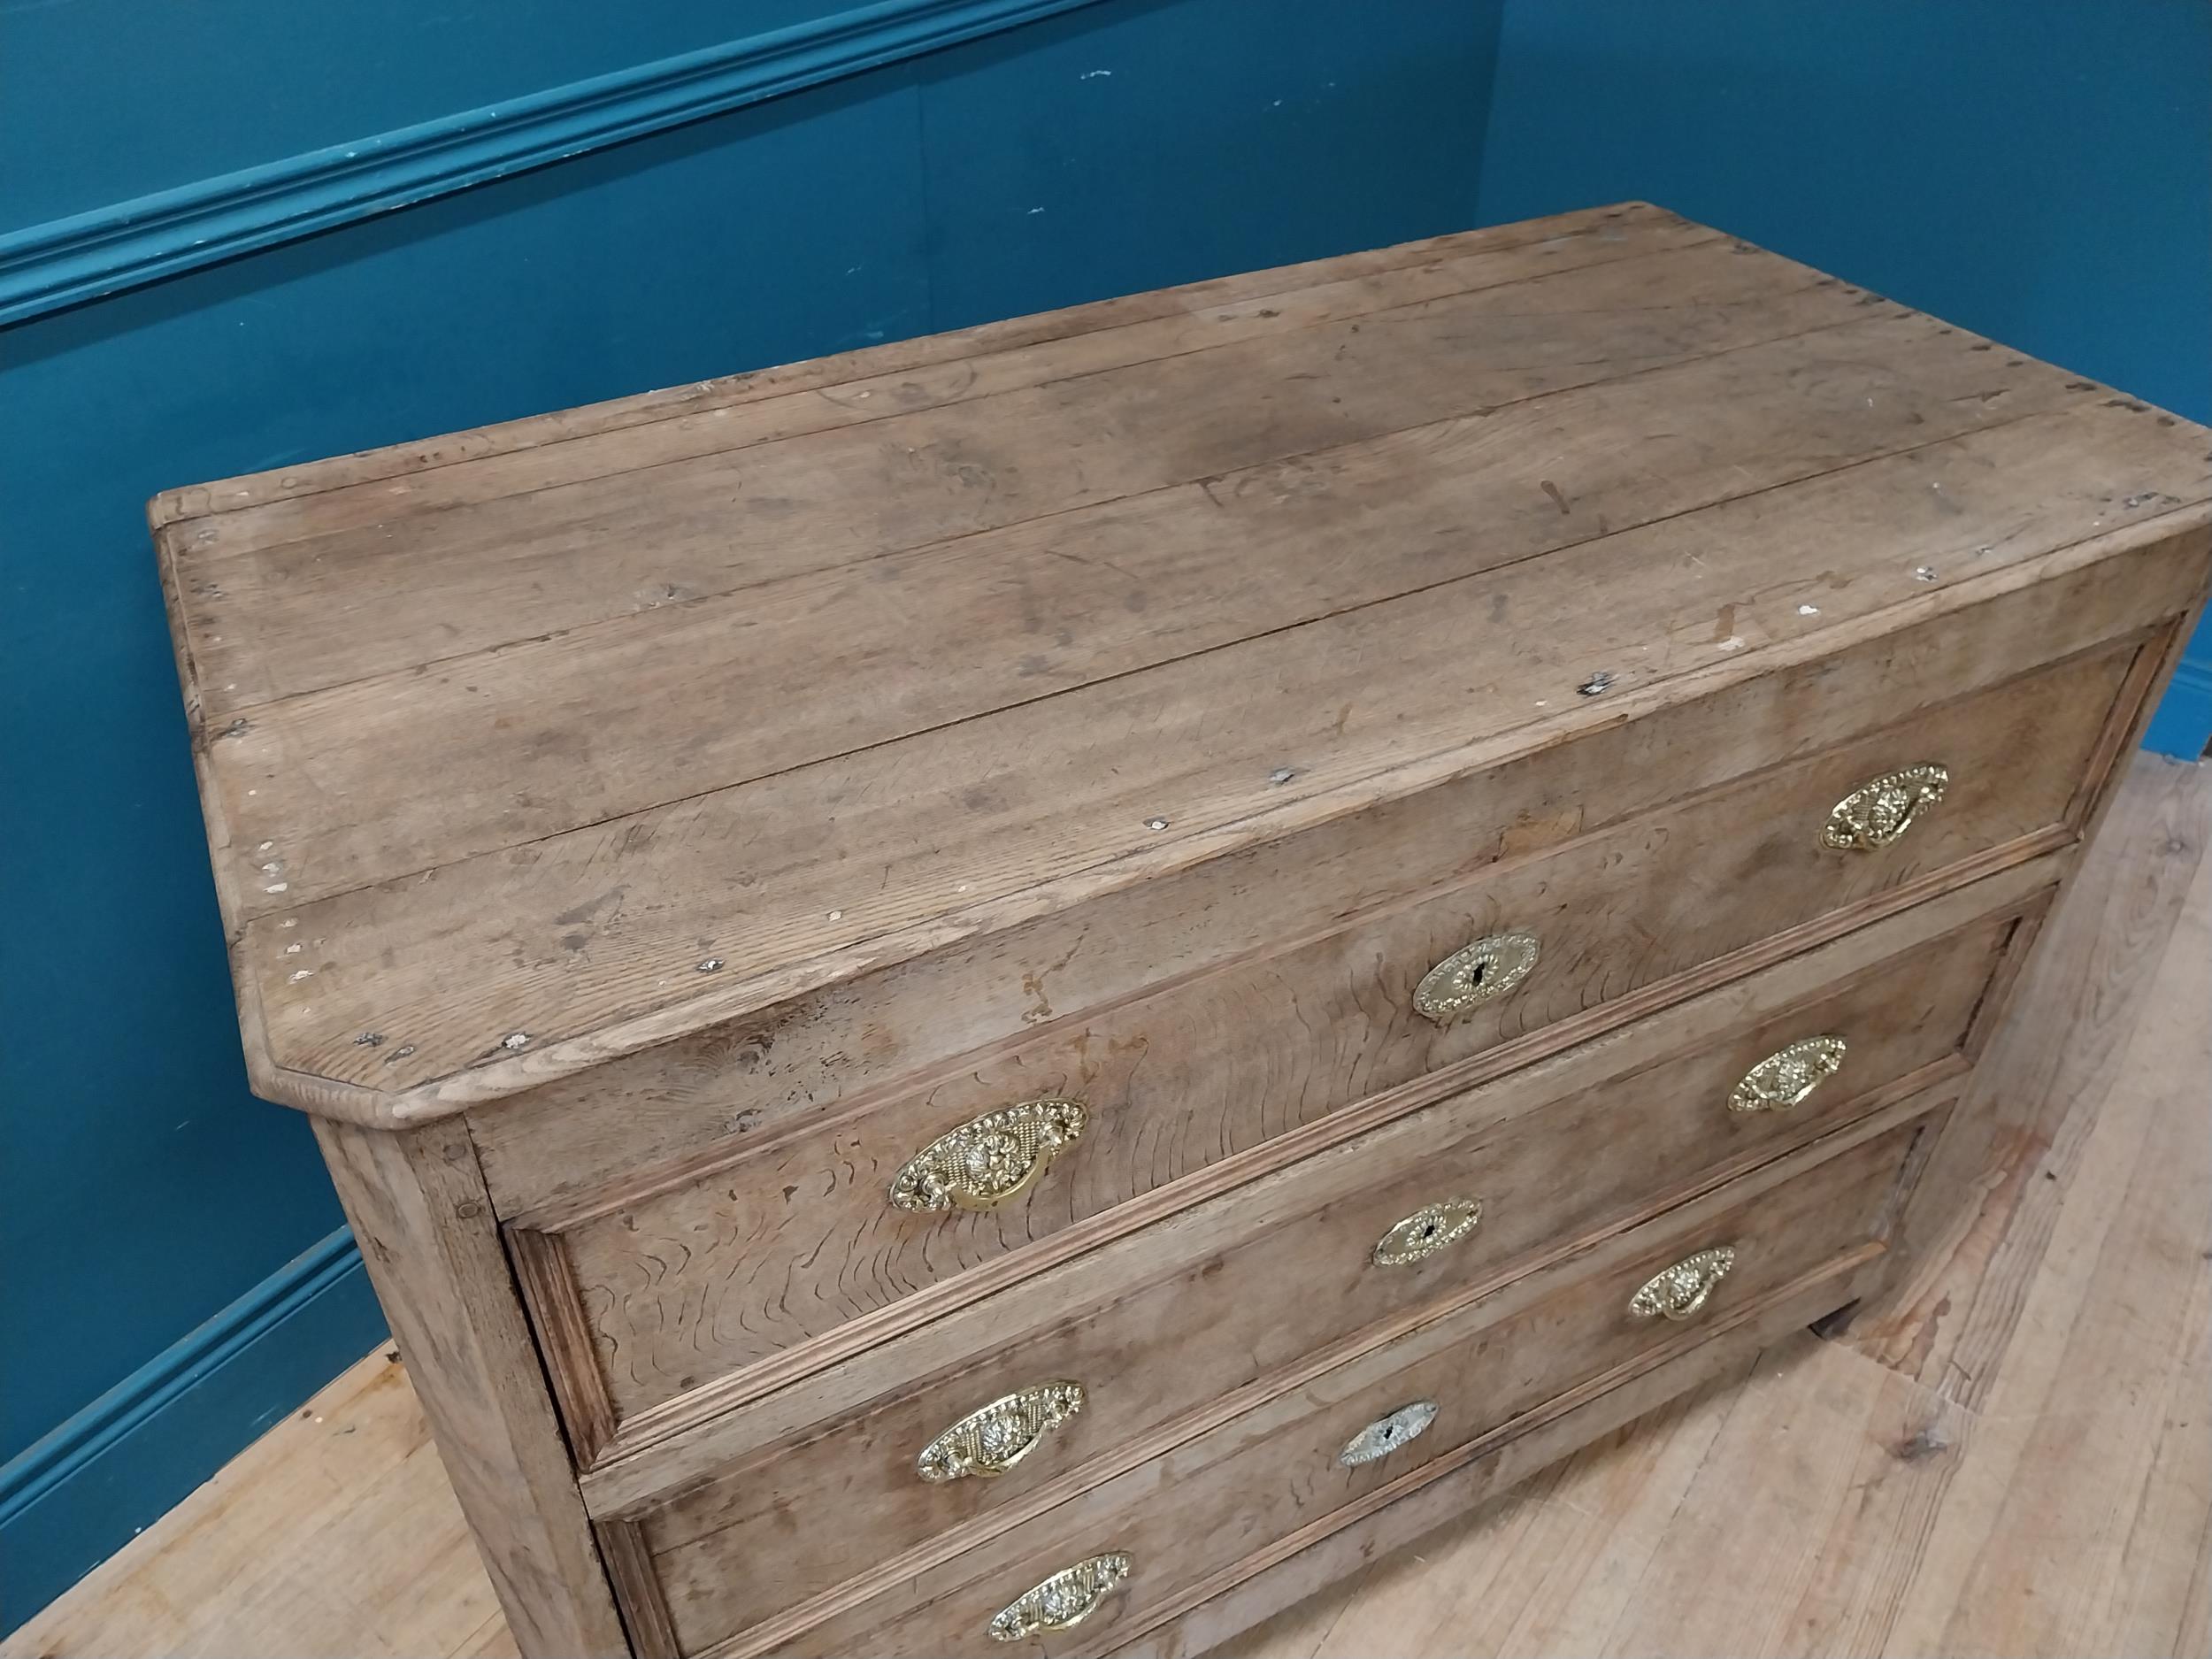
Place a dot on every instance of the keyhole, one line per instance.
(1482, 968)
(1390, 1433)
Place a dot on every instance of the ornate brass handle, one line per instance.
(1877, 814)
(1427, 1229)
(1680, 1291)
(990, 1160)
(1482, 972)
(1785, 1078)
(1385, 1435)
(993, 1439)
(1065, 1600)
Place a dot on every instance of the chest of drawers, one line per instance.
(1023, 992)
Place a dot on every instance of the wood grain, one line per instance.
(690, 874)
(1134, 703)
(1175, 1232)
(1184, 1341)
(335, 1533)
(1038, 333)
(1637, 1434)
(1173, 543)
(851, 1044)
(338, 1534)
(418, 1207)
(1893, 1494)
(828, 478)
(1199, 1510)
(644, 1609)
(685, 878)
(2040, 1097)
(742, 1261)
(335, 779)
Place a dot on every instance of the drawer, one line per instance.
(728, 1265)
(1197, 1509)
(1159, 1327)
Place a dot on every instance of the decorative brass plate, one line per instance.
(1427, 1229)
(1067, 1598)
(1876, 814)
(1385, 1435)
(994, 1438)
(989, 1160)
(1680, 1291)
(1785, 1078)
(1482, 972)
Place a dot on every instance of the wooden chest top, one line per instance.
(532, 746)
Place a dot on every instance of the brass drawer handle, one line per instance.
(1429, 1229)
(1785, 1078)
(1482, 972)
(1385, 1435)
(993, 1439)
(990, 1160)
(1877, 814)
(1062, 1602)
(1680, 1291)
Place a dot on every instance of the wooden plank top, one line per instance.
(534, 745)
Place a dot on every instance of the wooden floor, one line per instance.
(2016, 1459)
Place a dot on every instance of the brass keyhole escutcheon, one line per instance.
(1479, 973)
(1432, 1227)
(1386, 1435)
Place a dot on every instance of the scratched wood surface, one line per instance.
(2013, 1459)
(1232, 1233)
(1303, 1283)
(671, 1111)
(1265, 1473)
(505, 738)
(728, 1269)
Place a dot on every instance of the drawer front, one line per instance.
(1344, 1432)
(725, 1269)
(1439, 1204)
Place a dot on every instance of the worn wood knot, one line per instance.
(1927, 1442)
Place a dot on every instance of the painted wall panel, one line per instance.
(103, 100)
(1128, 146)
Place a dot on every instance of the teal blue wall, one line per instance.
(2039, 170)
(176, 1272)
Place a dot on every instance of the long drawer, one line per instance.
(725, 1267)
(1591, 1321)
(1159, 1327)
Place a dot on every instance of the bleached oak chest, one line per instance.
(1027, 990)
